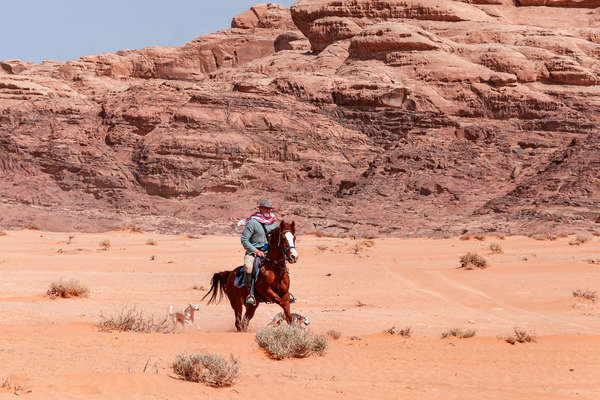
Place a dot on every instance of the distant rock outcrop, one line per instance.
(403, 117)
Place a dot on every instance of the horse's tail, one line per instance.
(217, 287)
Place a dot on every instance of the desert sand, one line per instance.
(51, 349)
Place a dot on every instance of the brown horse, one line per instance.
(272, 284)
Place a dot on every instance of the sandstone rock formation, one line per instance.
(402, 117)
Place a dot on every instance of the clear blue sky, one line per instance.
(36, 30)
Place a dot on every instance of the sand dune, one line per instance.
(51, 348)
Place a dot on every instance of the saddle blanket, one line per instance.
(240, 273)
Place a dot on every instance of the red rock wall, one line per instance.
(404, 117)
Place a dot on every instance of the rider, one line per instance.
(255, 241)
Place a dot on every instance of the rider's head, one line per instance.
(265, 207)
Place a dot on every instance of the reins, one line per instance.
(280, 263)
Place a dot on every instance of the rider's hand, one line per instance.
(259, 253)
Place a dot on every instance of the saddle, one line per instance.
(240, 273)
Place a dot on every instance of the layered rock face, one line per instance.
(401, 117)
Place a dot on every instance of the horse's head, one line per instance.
(288, 240)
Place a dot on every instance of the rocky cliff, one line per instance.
(401, 117)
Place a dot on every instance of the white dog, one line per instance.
(185, 317)
(298, 319)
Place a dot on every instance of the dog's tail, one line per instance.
(217, 287)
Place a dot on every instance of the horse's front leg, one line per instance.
(250, 310)
(285, 305)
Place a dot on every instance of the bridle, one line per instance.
(286, 249)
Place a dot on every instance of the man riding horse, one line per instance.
(255, 241)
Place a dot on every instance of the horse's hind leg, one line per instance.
(238, 307)
(250, 310)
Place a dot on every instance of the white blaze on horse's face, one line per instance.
(293, 252)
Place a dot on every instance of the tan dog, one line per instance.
(185, 317)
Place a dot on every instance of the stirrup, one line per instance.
(250, 300)
(292, 298)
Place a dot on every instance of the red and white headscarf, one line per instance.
(259, 217)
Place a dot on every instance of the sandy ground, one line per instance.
(52, 349)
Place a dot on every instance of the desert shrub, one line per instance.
(105, 244)
(31, 227)
(68, 288)
(210, 369)
(334, 334)
(406, 332)
(472, 260)
(520, 336)
(459, 333)
(465, 237)
(587, 294)
(320, 344)
(319, 233)
(196, 287)
(2, 233)
(192, 236)
(579, 239)
(542, 236)
(151, 242)
(132, 319)
(289, 341)
(479, 237)
(495, 248)
(10, 386)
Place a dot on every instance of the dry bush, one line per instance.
(334, 334)
(2, 233)
(496, 248)
(105, 244)
(132, 319)
(406, 332)
(8, 385)
(587, 294)
(196, 287)
(360, 304)
(579, 239)
(210, 369)
(289, 341)
(465, 237)
(319, 233)
(520, 336)
(459, 333)
(479, 237)
(69, 288)
(191, 236)
(151, 242)
(472, 260)
(31, 227)
(542, 236)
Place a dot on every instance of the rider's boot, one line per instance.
(292, 298)
(250, 300)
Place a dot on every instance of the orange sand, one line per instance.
(52, 349)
